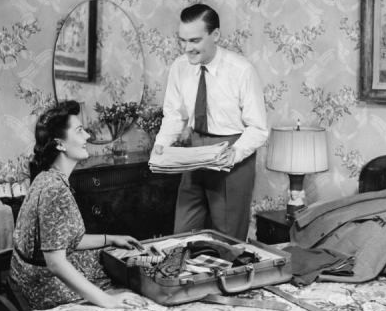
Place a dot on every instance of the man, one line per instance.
(234, 111)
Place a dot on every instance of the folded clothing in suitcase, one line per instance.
(186, 267)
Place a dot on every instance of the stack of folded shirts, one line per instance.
(209, 262)
(181, 159)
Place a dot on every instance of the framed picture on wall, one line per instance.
(373, 51)
(74, 56)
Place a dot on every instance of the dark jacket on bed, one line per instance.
(353, 225)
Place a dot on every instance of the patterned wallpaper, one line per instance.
(306, 51)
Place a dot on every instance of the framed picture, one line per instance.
(373, 51)
(74, 56)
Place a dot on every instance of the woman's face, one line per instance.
(76, 140)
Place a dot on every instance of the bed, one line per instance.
(326, 296)
(369, 296)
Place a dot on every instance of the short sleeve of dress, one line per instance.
(60, 223)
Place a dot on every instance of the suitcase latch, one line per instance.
(186, 281)
(279, 262)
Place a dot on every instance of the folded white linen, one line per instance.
(186, 155)
(180, 159)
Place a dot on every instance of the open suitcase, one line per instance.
(274, 268)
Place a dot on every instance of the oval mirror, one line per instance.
(98, 61)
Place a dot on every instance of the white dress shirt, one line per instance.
(235, 101)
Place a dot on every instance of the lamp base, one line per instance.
(296, 194)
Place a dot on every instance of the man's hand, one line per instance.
(158, 149)
(230, 154)
(186, 136)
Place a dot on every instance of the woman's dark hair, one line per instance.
(201, 11)
(52, 124)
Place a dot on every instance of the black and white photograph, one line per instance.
(193, 155)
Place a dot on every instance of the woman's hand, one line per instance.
(124, 241)
(58, 264)
(125, 300)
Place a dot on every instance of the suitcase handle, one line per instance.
(250, 276)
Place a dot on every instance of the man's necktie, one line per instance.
(200, 119)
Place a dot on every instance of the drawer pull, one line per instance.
(96, 181)
(271, 230)
(96, 210)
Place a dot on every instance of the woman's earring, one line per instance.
(59, 145)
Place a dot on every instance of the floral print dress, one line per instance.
(50, 220)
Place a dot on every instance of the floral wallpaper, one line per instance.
(306, 52)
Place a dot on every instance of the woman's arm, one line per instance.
(66, 272)
(90, 241)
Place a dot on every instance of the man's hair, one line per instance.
(201, 11)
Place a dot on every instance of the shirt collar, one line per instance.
(213, 65)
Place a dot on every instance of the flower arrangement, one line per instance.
(118, 118)
(150, 119)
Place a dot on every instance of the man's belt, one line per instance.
(215, 135)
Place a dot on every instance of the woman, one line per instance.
(54, 261)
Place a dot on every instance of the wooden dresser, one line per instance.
(125, 198)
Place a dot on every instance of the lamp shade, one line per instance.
(297, 151)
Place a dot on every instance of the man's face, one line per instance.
(197, 43)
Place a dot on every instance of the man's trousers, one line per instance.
(216, 200)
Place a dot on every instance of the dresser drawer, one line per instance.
(126, 199)
(113, 177)
(111, 211)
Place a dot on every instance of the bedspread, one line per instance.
(369, 296)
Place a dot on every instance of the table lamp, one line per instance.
(297, 151)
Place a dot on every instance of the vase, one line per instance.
(120, 151)
(151, 142)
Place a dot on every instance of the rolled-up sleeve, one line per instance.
(174, 120)
(254, 116)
